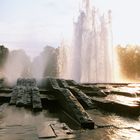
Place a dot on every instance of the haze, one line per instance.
(33, 24)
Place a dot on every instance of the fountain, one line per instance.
(92, 52)
(89, 58)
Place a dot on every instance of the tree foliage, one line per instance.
(129, 61)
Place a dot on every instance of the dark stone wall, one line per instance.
(3, 55)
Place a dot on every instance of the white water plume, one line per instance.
(92, 53)
(64, 60)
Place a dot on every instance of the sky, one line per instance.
(33, 24)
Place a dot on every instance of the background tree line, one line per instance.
(129, 61)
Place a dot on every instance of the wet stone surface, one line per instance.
(23, 124)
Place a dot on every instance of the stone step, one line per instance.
(117, 107)
(62, 83)
(5, 90)
(124, 93)
(82, 98)
(72, 106)
(62, 131)
(45, 131)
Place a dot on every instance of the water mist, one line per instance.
(17, 65)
